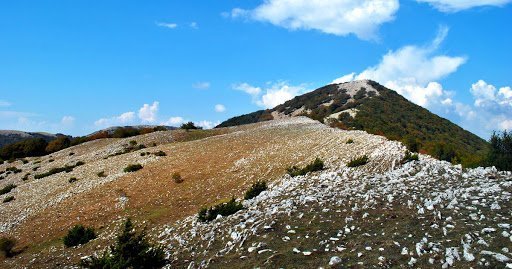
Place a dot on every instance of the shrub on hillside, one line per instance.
(132, 168)
(409, 157)
(500, 154)
(131, 250)
(255, 190)
(56, 170)
(73, 179)
(101, 174)
(189, 126)
(316, 165)
(15, 170)
(350, 141)
(444, 152)
(160, 153)
(177, 177)
(223, 209)
(358, 161)
(57, 144)
(6, 246)
(8, 199)
(79, 235)
(6, 189)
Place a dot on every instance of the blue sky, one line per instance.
(78, 66)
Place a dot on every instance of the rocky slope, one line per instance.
(425, 213)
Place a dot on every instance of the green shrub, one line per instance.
(57, 170)
(131, 250)
(189, 126)
(15, 170)
(358, 161)
(73, 179)
(160, 153)
(409, 157)
(316, 165)
(57, 144)
(176, 176)
(500, 154)
(350, 141)
(223, 209)
(255, 189)
(6, 246)
(132, 168)
(79, 235)
(8, 188)
(24, 161)
(25, 177)
(133, 143)
(101, 174)
(8, 199)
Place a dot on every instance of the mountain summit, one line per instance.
(367, 105)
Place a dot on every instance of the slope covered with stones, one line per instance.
(426, 213)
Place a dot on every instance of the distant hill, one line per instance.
(367, 105)
(112, 130)
(11, 136)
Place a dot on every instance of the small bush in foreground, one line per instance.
(6, 246)
(316, 165)
(358, 161)
(8, 199)
(73, 179)
(101, 174)
(223, 209)
(131, 250)
(256, 188)
(350, 141)
(79, 235)
(132, 168)
(177, 177)
(409, 157)
(7, 189)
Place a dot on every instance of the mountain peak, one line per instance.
(369, 106)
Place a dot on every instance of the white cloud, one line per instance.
(245, 87)
(458, 5)
(337, 17)
(174, 121)
(486, 95)
(167, 25)
(207, 124)
(148, 113)
(4, 103)
(67, 120)
(506, 124)
(413, 71)
(273, 95)
(278, 94)
(194, 25)
(201, 85)
(220, 108)
(123, 119)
